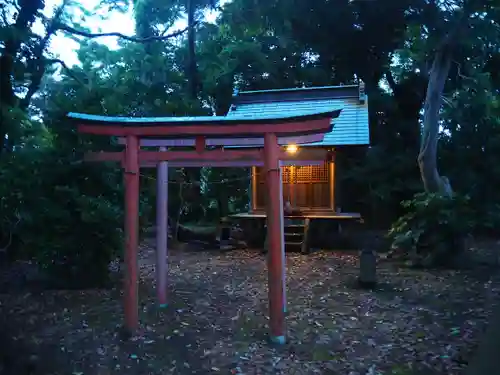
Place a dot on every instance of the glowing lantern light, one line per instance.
(292, 149)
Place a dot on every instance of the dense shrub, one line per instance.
(64, 214)
(433, 230)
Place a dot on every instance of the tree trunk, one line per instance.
(193, 174)
(8, 99)
(192, 68)
(19, 32)
(427, 158)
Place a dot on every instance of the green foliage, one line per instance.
(432, 231)
(226, 191)
(62, 213)
(60, 205)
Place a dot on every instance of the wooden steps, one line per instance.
(299, 232)
(296, 233)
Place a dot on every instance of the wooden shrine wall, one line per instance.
(309, 187)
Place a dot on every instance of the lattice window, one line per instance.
(305, 186)
(311, 174)
(287, 174)
(300, 174)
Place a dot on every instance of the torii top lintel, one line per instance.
(220, 126)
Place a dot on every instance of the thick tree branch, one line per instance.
(85, 34)
(38, 63)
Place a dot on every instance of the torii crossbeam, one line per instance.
(265, 131)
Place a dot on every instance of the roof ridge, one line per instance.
(297, 89)
(298, 99)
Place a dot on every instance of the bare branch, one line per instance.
(68, 70)
(459, 72)
(447, 101)
(390, 80)
(74, 31)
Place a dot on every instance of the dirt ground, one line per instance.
(416, 322)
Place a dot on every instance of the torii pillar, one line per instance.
(162, 231)
(130, 290)
(275, 257)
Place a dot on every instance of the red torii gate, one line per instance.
(214, 130)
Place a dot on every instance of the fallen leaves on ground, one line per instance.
(416, 322)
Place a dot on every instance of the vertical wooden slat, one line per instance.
(255, 188)
(200, 143)
(293, 184)
(331, 180)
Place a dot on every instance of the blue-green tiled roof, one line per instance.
(350, 128)
(267, 117)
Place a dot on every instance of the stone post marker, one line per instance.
(367, 268)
